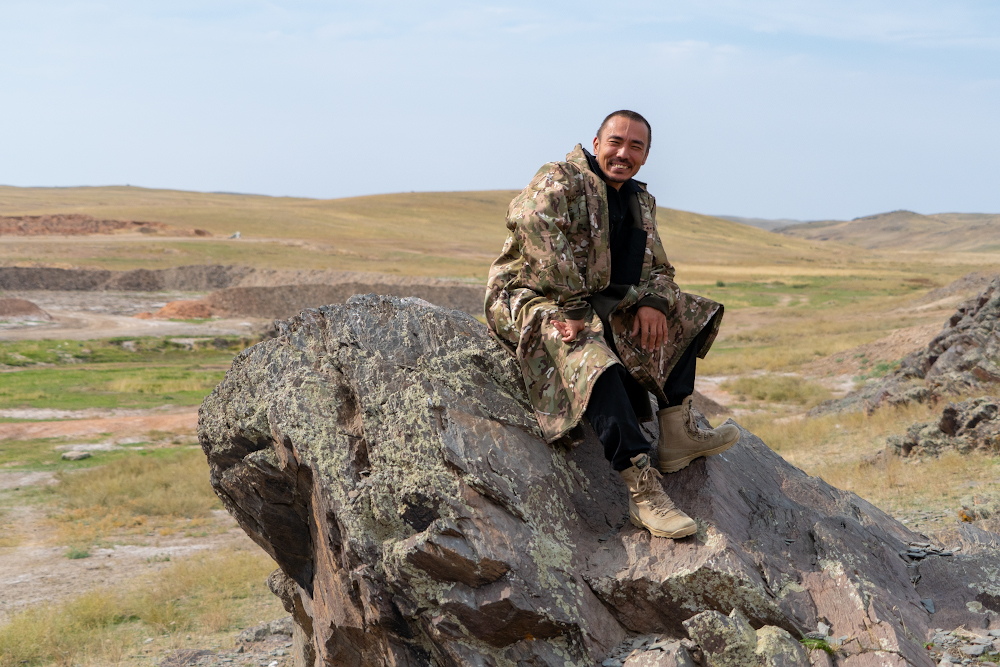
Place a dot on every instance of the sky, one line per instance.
(773, 108)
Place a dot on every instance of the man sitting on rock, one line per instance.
(584, 296)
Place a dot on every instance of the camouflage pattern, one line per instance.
(556, 255)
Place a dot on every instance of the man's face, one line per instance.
(621, 148)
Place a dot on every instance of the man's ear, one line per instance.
(597, 142)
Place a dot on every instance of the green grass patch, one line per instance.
(777, 389)
(124, 386)
(41, 454)
(206, 594)
(75, 553)
(28, 353)
(812, 644)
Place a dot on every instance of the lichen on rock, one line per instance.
(384, 454)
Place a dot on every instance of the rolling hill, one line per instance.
(970, 232)
(440, 234)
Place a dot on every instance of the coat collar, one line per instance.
(578, 157)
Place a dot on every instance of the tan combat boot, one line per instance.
(681, 441)
(649, 506)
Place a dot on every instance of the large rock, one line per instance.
(384, 454)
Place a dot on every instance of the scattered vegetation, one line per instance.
(812, 644)
(211, 593)
(156, 492)
(848, 451)
(777, 389)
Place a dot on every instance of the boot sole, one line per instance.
(683, 532)
(680, 464)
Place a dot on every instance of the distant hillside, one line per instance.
(433, 234)
(761, 223)
(907, 230)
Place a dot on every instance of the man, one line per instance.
(584, 296)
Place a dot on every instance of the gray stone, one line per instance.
(384, 454)
(76, 456)
(728, 641)
(777, 648)
(973, 649)
(184, 657)
(673, 654)
(928, 605)
(257, 633)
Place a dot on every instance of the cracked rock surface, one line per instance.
(384, 454)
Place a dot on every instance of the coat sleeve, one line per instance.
(539, 219)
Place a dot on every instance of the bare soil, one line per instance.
(77, 224)
(180, 420)
(36, 570)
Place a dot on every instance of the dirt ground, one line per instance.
(37, 570)
(180, 420)
(83, 315)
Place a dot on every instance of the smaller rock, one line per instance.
(973, 649)
(823, 628)
(777, 648)
(726, 640)
(928, 605)
(819, 658)
(611, 662)
(184, 657)
(281, 626)
(257, 633)
(673, 654)
(75, 456)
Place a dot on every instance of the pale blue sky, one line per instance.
(772, 108)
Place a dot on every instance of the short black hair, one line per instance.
(631, 115)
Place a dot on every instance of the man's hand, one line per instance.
(570, 328)
(653, 325)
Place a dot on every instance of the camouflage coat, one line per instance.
(556, 255)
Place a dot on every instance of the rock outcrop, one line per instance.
(963, 358)
(967, 426)
(384, 454)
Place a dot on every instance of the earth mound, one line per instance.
(384, 454)
(184, 310)
(20, 310)
(77, 224)
(284, 301)
(198, 278)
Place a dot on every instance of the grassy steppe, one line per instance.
(788, 302)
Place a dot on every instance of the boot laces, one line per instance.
(648, 488)
(691, 424)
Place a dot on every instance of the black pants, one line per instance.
(610, 409)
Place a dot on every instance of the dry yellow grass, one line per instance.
(163, 492)
(205, 595)
(841, 449)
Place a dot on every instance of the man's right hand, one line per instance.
(569, 329)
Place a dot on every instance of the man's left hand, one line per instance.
(652, 324)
